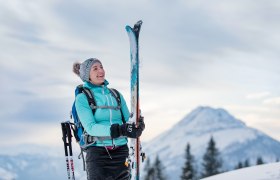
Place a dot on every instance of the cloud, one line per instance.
(192, 53)
(272, 101)
(258, 95)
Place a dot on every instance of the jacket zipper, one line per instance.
(110, 111)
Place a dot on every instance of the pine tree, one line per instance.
(158, 170)
(188, 169)
(239, 165)
(149, 175)
(259, 161)
(211, 160)
(246, 163)
(154, 172)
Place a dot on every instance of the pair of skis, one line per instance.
(136, 156)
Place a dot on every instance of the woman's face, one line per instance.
(97, 74)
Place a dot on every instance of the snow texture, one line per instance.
(41, 165)
(7, 175)
(261, 172)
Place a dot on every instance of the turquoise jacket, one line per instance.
(99, 124)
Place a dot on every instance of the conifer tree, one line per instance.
(154, 171)
(246, 163)
(211, 161)
(158, 170)
(259, 161)
(239, 165)
(149, 171)
(188, 169)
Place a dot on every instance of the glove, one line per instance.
(129, 130)
(141, 124)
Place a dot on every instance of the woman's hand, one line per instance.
(127, 129)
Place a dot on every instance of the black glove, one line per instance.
(141, 124)
(129, 130)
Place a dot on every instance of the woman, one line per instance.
(105, 159)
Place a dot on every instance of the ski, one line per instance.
(135, 146)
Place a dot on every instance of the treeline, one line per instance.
(211, 165)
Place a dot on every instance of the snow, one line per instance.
(37, 166)
(6, 175)
(261, 172)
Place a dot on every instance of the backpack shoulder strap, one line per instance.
(90, 97)
(117, 96)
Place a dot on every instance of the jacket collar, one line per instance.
(91, 85)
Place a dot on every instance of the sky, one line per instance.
(219, 53)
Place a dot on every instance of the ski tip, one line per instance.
(139, 23)
(128, 28)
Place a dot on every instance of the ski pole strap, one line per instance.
(63, 128)
(66, 137)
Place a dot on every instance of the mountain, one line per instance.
(42, 163)
(261, 172)
(7, 175)
(235, 141)
(27, 166)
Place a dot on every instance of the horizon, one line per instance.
(30, 148)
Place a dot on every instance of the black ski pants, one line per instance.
(100, 166)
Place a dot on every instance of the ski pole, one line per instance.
(64, 134)
(69, 135)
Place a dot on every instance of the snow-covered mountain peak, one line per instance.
(236, 142)
(205, 118)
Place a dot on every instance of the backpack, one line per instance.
(81, 136)
(79, 132)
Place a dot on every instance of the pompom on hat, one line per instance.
(83, 69)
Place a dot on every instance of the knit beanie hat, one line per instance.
(83, 69)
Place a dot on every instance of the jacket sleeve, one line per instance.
(87, 119)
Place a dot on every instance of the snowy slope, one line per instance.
(261, 172)
(234, 139)
(7, 175)
(42, 163)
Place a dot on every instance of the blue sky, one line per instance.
(222, 54)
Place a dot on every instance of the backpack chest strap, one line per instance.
(93, 105)
(105, 107)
